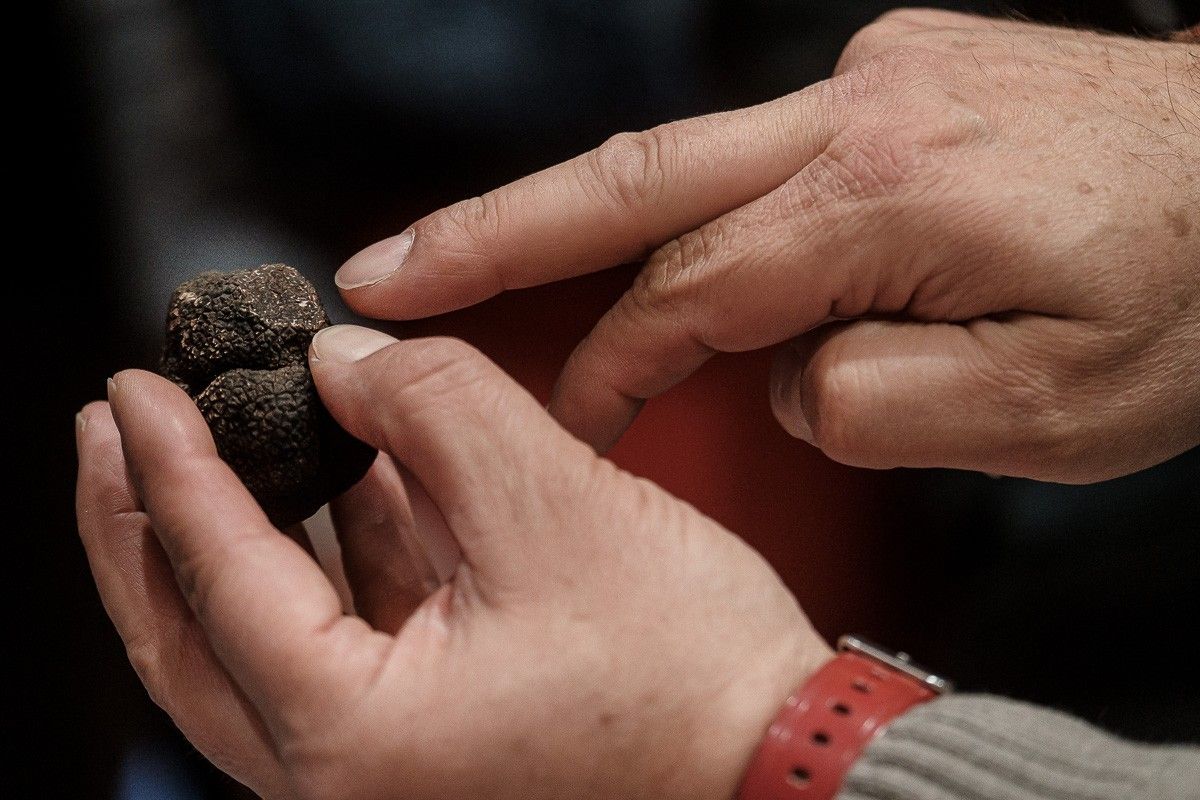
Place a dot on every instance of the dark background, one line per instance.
(167, 137)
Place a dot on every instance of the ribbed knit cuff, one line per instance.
(975, 747)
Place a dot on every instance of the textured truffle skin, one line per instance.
(237, 343)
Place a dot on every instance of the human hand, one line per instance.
(599, 638)
(1009, 213)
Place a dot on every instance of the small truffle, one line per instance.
(237, 343)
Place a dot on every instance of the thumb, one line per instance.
(883, 394)
(490, 457)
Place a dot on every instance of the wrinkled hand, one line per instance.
(598, 638)
(1010, 213)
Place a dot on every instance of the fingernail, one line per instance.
(346, 344)
(798, 426)
(376, 263)
(787, 399)
(80, 427)
(112, 388)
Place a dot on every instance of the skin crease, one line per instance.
(976, 246)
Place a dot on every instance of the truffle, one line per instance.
(237, 343)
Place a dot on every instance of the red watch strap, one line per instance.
(824, 727)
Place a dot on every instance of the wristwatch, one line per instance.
(827, 723)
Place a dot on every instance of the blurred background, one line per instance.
(171, 136)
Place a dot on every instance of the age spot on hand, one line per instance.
(1178, 220)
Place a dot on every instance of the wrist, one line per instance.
(827, 723)
(734, 723)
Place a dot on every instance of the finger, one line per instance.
(386, 565)
(610, 206)
(858, 231)
(271, 615)
(884, 394)
(489, 455)
(165, 644)
(754, 277)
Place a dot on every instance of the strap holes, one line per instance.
(841, 709)
(820, 738)
(799, 777)
(861, 686)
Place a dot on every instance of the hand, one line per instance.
(1009, 213)
(599, 638)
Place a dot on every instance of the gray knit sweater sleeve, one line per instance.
(975, 747)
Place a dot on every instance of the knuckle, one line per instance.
(833, 392)
(159, 657)
(864, 166)
(465, 237)
(478, 220)
(905, 64)
(930, 18)
(1043, 391)
(631, 168)
(905, 20)
(924, 134)
(888, 71)
(436, 369)
(675, 270)
(1053, 446)
(1057, 435)
(868, 41)
(1043, 411)
(898, 41)
(442, 350)
(145, 655)
(885, 33)
(651, 295)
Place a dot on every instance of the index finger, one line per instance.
(610, 206)
(271, 615)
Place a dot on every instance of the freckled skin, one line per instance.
(237, 343)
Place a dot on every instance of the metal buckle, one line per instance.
(901, 662)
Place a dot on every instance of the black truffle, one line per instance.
(237, 343)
